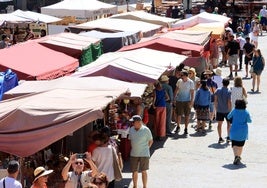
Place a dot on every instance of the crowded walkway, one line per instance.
(197, 160)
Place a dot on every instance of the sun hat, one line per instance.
(41, 171)
(164, 78)
(208, 72)
(136, 118)
(218, 71)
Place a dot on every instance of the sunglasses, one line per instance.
(79, 163)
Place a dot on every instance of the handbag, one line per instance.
(251, 70)
(116, 167)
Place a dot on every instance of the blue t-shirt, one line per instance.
(168, 90)
(223, 96)
(239, 128)
(203, 97)
(139, 141)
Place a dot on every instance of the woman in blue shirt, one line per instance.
(201, 104)
(159, 104)
(239, 129)
(258, 64)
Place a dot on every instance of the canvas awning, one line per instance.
(68, 82)
(216, 28)
(79, 9)
(11, 18)
(68, 43)
(146, 17)
(32, 61)
(203, 17)
(139, 66)
(35, 17)
(119, 25)
(194, 37)
(114, 41)
(168, 45)
(45, 111)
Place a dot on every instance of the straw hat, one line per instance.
(218, 71)
(164, 78)
(208, 72)
(40, 171)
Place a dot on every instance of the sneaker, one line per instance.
(177, 130)
(228, 139)
(237, 160)
(185, 131)
(221, 140)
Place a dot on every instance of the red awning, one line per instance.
(32, 61)
(168, 45)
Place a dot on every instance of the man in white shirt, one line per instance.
(10, 181)
(263, 18)
(241, 42)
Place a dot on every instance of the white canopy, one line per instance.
(140, 66)
(35, 17)
(11, 18)
(79, 8)
(118, 25)
(69, 83)
(146, 17)
(203, 17)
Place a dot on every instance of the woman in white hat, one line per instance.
(40, 177)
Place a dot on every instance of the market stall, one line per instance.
(63, 120)
(86, 49)
(32, 61)
(132, 66)
(118, 25)
(114, 41)
(80, 9)
(146, 17)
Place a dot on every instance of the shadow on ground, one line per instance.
(219, 146)
(234, 167)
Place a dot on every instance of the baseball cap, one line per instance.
(136, 118)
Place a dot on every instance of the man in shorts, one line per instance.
(233, 53)
(248, 51)
(184, 98)
(141, 140)
(222, 102)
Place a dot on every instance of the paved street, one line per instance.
(198, 161)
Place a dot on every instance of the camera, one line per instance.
(80, 155)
